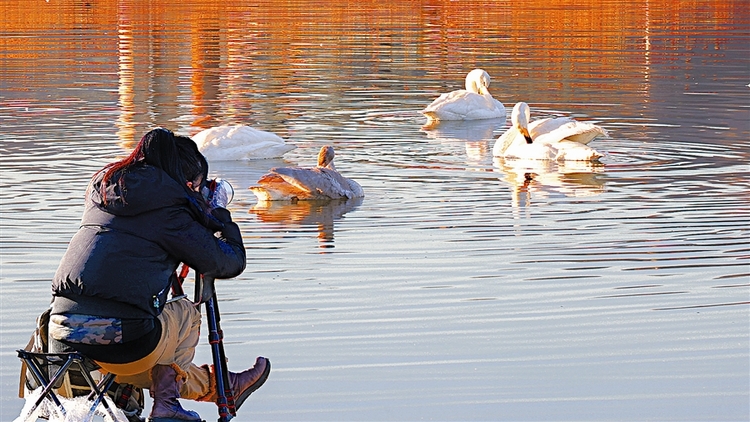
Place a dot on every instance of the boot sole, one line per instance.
(256, 385)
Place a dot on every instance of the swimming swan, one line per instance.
(473, 103)
(239, 142)
(560, 139)
(298, 183)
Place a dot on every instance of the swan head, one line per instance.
(478, 81)
(520, 117)
(325, 157)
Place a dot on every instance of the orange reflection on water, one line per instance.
(214, 49)
(126, 92)
(319, 214)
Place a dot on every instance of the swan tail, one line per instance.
(588, 132)
(573, 151)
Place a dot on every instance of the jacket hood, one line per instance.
(144, 188)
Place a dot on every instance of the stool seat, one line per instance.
(38, 364)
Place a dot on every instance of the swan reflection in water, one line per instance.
(477, 135)
(534, 180)
(320, 214)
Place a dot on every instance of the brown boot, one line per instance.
(246, 382)
(243, 383)
(166, 381)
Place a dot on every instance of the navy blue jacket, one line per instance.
(123, 258)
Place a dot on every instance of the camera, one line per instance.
(218, 193)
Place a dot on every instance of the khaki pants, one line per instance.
(180, 332)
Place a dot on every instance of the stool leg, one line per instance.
(98, 392)
(47, 392)
(63, 361)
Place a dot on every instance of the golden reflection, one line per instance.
(214, 69)
(126, 131)
(205, 75)
(319, 214)
(535, 180)
(445, 22)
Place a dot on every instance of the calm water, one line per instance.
(458, 289)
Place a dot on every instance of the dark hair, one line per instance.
(192, 162)
(178, 156)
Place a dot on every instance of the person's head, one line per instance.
(193, 164)
(178, 156)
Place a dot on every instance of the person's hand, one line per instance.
(222, 214)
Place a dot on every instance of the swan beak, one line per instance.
(525, 133)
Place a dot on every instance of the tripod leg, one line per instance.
(223, 358)
(220, 364)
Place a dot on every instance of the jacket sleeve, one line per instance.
(215, 254)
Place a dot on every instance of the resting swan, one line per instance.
(297, 183)
(239, 142)
(560, 139)
(473, 103)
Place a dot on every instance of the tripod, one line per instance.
(206, 293)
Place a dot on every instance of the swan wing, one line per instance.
(292, 183)
(240, 142)
(583, 133)
(574, 151)
(508, 138)
(496, 109)
(318, 182)
(349, 188)
(464, 105)
(447, 106)
(287, 183)
(535, 151)
(564, 128)
(272, 187)
(340, 186)
(356, 189)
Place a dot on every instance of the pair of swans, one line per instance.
(239, 142)
(554, 139)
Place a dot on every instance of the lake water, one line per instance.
(459, 288)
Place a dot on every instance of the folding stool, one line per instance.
(38, 364)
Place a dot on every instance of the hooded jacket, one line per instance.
(122, 261)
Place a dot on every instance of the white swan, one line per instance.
(239, 142)
(473, 103)
(560, 139)
(298, 183)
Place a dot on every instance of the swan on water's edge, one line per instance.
(239, 142)
(473, 103)
(560, 138)
(301, 183)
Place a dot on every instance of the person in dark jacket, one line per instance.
(144, 215)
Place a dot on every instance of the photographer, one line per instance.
(145, 215)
